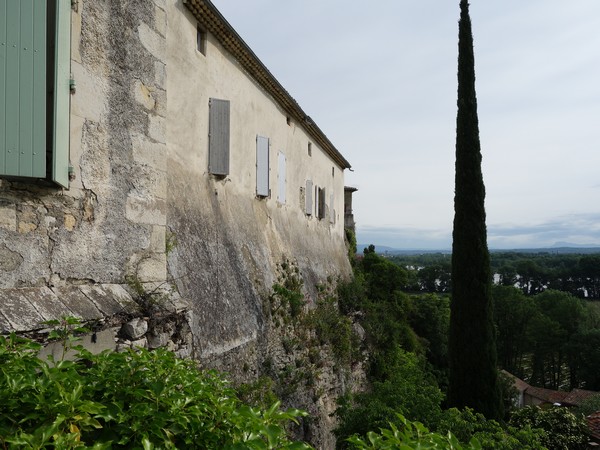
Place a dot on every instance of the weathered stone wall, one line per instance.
(111, 222)
(229, 241)
(143, 213)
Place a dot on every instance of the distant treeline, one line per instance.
(532, 273)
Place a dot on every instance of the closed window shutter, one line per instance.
(308, 198)
(218, 137)
(321, 214)
(62, 93)
(34, 89)
(262, 166)
(331, 210)
(23, 88)
(281, 178)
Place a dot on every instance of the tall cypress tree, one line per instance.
(472, 347)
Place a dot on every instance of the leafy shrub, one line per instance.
(134, 399)
(408, 390)
(335, 329)
(589, 405)
(287, 292)
(407, 436)
(466, 424)
(562, 429)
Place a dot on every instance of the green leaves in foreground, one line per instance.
(412, 435)
(134, 400)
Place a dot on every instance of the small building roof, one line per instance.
(593, 421)
(577, 396)
(547, 395)
(519, 384)
(213, 21)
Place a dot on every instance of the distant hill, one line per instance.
(553, 250)
(559, 249)
(382, 249)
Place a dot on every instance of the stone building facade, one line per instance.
(169, 160)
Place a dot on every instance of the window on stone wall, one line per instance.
(262, 166)
(308, 206)
(35, 87)
(331, 209)
(218, 137)
(320, 203)
(281, 177)
(201, 40)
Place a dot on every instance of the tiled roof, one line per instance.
(209, 17)
(519, 384)
(547, 395)
(593, 421)
(576, 396)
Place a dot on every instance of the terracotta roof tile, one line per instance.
(547, 395)
(593, 421)
(576, 396)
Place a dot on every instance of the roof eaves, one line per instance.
(210, 18)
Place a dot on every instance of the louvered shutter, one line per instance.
(218, 137)
(24, 89)
(62, 93)
(321, 213)
(23, 41)
(308, 198)
(281, 163)
(262, 166)
(331, 209)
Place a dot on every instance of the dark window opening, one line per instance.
(201, 40)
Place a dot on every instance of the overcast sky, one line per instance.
(379, 78)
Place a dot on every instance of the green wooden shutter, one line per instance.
(62, 91)
(23, 88)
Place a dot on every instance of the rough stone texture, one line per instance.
(116, 319)
(92, 231)
(26, 308)
(304, 373)
(134, 329)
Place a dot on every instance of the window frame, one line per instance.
(201, 37)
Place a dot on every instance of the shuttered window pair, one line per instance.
(319, 202)
(35, 55)
(219, 152)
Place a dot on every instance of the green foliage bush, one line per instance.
(287, 292)
(134, 399)
(408, 389)
(562, 430)
(589, 406)
(466, 424)
(410, 435)
(334, 329)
